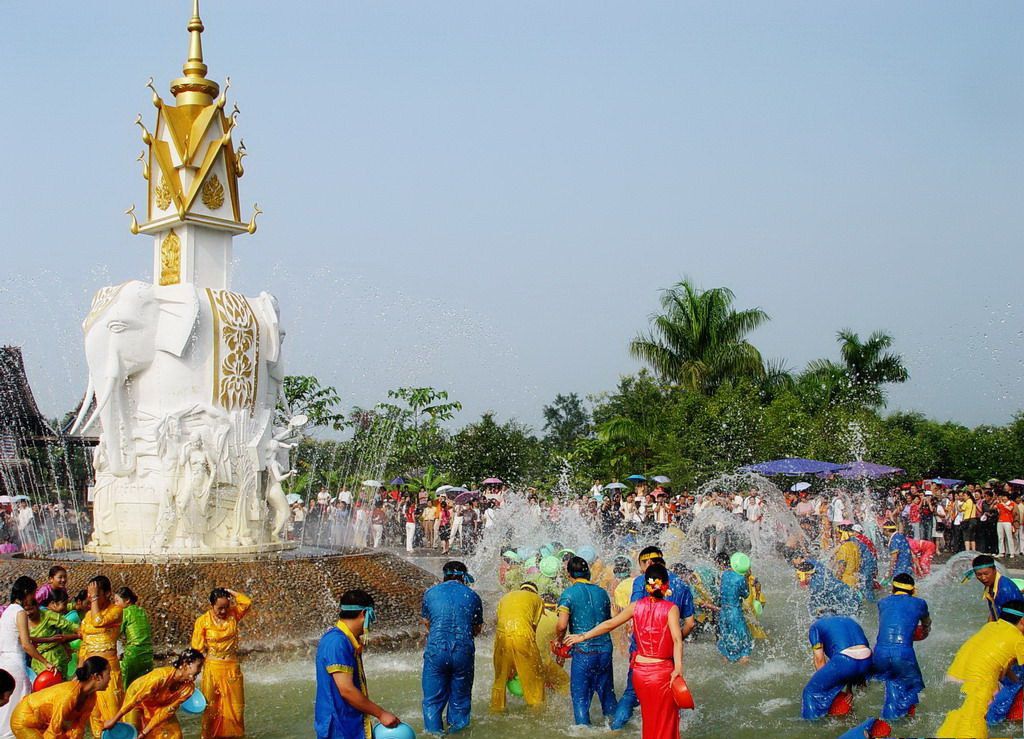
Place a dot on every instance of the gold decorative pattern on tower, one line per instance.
(170, 259)
(213, 193)
(236, 350)
(162, 195)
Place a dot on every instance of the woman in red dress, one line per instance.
(659, 652)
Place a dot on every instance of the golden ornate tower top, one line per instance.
(194, 88)
(192, 165)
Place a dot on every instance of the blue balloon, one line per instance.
(196, 703)
(588, 553)
(402, 731)
(31, 676)
(121, 730)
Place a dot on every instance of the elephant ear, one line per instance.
(179, 309)
(267, 306)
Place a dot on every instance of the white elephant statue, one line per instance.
(171, 366)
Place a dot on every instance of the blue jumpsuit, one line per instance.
(1000, 706)
(904, 560)
(868, 570)
(454, 611)
(829, 594)
(734, 640)
(861, 730)
(591, 671)
(833, 634)
(893, 660)
(683, 599)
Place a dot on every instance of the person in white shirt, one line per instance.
(755, 508)
(737, 505)
(489, 516)
(456, 532)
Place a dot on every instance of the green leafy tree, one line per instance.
(507, 450)
(699, 340)
(565, 421)
(866, 366)
(415, 421)
(303, 394)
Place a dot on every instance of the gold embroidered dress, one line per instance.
(222, 677)
(157, 699)
(51, 713)
(100, 632)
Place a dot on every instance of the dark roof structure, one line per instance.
(19, 414)
(22, 427)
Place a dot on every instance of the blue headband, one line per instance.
(354, 609)
(967, 575)
(465, 576)
(1012, 611)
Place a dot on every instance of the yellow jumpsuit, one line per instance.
(554, 674)
(979, 663)
(222, 677)
(754, 594)
(157, 699)
(99, 638)
(515, 648)
(620, 600)
(849, 554)
(51, 713)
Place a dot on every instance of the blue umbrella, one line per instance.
(794, 467)
(615, 486)
(947, 482)
(397, 481)
(636, 478)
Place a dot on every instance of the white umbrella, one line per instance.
(797, 487)
(661, 479)
(373, 483)
(615, 486)
(293, 498)
(443, 489)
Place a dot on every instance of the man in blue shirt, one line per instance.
(999, 589)
(683, 599)
(828, 594)
(841, 657)
(583, 606)
(453, 614)
(343, 709)
(902, 559)
(894, 661)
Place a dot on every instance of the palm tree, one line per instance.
(865, 367)
(699, 341)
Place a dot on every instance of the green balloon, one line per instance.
(72, 666)
(75, 645)
(515, 687)
(550, 565)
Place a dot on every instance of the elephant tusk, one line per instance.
(86, 401)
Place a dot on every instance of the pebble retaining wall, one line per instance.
(294, 599)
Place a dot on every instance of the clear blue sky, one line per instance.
(487, 197)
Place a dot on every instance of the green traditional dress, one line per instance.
(52, 623)
(137, 659)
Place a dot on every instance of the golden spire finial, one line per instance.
(194, 88)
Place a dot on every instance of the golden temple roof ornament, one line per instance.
(194, 88)
(190, 162)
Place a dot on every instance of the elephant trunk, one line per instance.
(108, 410)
